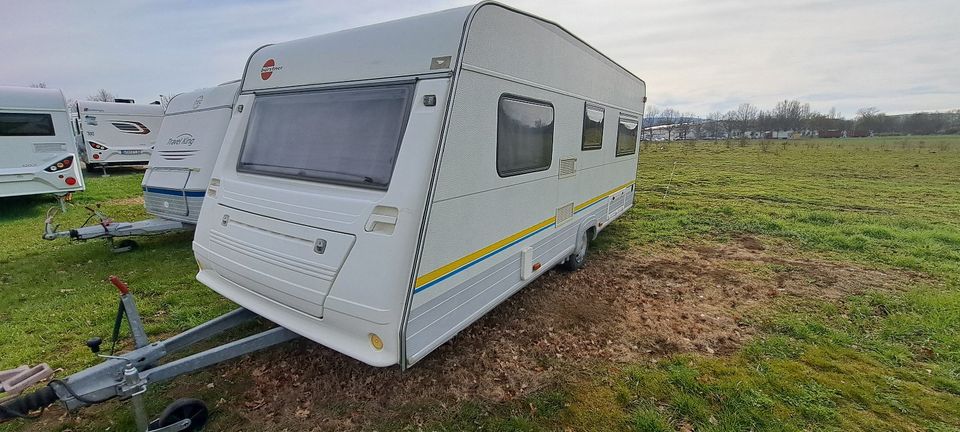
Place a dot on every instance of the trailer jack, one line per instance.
(128, 376)
(108, 229)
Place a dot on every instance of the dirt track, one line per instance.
(622, 307)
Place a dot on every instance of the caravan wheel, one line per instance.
(180, 409)
(578, 258)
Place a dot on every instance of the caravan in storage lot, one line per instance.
(115, 133)
(176, 179)
(381, 188)
(187, 146)
(39, 148)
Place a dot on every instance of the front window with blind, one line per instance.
(627, 136)
(344, 136)
(524, 136)
(592, 128)
(26, 124)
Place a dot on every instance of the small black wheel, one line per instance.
(578, 258)
(180, 409)
(125, 246)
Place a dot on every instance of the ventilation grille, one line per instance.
(49, 147)
(564, 213)
(568, 167)
(176, 155)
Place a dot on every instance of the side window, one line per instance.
(592, 127)
(524, 136)
(26, 124)
(627, 136)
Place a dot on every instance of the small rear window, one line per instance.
(627, 136)
(26, 124)
(344, 136)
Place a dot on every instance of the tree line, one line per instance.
(791, 115)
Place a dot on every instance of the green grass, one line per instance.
(877, 361)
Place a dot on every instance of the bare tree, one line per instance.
(165, 100)
(745, 117)
(102, 95)
(40, 84)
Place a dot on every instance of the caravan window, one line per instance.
(24, 124)
(627, 136)
(592, 128)
(346, 136)
(524, 136)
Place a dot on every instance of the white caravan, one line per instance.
(173, 187)
(187, 146)
(39, 151)
(115, 133)
(381, 188)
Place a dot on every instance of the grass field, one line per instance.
(873, 360)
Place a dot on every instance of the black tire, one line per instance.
(578, 258)
(193, 409)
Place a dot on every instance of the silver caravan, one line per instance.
(115, 133)
(186, 148)
(39, 147)
(381, 188)
(176, 179)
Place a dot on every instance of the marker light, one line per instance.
(96, 156)
(376, 342)
(70, 181)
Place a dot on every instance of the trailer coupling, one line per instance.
(106, 228)
(129, 375)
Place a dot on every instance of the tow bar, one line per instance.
(128, 376)
(107, 228)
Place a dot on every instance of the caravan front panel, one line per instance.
(186, 149)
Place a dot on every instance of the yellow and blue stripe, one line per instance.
(439, 275)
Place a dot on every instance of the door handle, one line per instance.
(379, 219)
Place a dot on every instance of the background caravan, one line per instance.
(39, 147)
(115, 133)
(379, 201)
(176, 179)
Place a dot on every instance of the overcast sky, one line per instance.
(696, 56)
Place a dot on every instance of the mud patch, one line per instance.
(623, 307)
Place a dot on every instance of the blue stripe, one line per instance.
(176, 192)
(438, 280)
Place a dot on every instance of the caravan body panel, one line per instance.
(36, 136)
(118, 133)
(186, 149)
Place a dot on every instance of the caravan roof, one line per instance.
(498, 39)
(220, 96)
(32, 98)
(120, 108)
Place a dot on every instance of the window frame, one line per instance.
(411, 85)
(633, 150)
(49, 124)
(583, 128)
(553, 128)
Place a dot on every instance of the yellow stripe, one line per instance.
(440, 272)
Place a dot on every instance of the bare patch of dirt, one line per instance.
(623, 307)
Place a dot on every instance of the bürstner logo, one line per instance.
(181, 140)
(269, 67)
(196, 103)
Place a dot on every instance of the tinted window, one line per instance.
(23, 124)
(627, 136)
(347, 136)
(524, 136)
(592, 127)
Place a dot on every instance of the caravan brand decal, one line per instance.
(430, 279)
(196, 103)
(269, 67)
(131, 127)
(183, 139)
